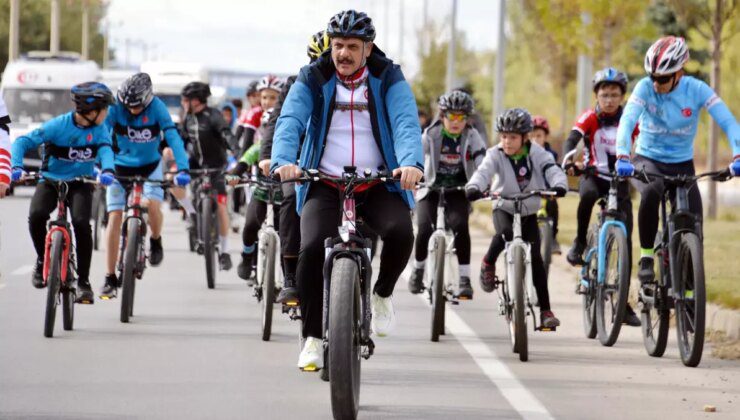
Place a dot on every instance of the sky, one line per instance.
(271, 35)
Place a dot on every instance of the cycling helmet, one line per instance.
(538, 121)
(610, 75)
(91, 96)
(514, 120)
(351, 24)
(136, 91)
(318, 44)
(196, 90)
(270, 82)
(456, 100)
(666, 56)
(252, 87)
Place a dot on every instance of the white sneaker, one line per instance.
(384, 319)
(311, 358)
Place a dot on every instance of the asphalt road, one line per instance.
(191, 352)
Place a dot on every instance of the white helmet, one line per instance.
(270, 82)
(666, 56)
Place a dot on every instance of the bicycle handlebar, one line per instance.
(30, 177)
(520, 196)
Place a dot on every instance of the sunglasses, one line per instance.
(456, 117)
(661, 80)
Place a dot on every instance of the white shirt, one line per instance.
(350, 140)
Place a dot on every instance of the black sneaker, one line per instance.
(110, 287)
(289, 293)
(244, 269)
(465, 290)
(487, 277)
(156, 253)
(37, 277)
(416, 281)
(224, 262)
(646, 273)
(84, 292)
(548, 319)
(631, 318)
(575, 255)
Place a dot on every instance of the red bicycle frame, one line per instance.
(61, 227)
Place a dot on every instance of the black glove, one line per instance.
(472, 193)
(559, 191)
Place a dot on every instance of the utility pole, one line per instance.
(54, 38)
(13, 35)
(85, 30)
(400, 32)
(451, 49)
(106, 36)
(499, 82)
(585, 70)
(425, 46)
(716, 42)
(386, 25)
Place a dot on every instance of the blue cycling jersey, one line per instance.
(69, 151)
(137, 137)
(668, 121)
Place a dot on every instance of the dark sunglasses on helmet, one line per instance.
(661, 80)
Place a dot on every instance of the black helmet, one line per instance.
(136, 91)
(456, 100)
(317, 45)
(610, 75)
(91, 96)
(351, 24)
(196, 90)
(252, 87)
(514, 120)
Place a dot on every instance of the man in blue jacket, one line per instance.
(362, 113)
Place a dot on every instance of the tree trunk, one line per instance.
(564, 108)
(716, 42)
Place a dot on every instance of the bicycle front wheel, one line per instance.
(266, 260)
(128, 278)
(438, 279)
(68, 306)
(690, 300)
(611, 296)
(344, 339)
(53, 282)
(588, 299)
(520, 312)
(208, 219)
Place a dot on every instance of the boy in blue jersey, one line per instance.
(667, 105)
(72, 143)
(140, 121)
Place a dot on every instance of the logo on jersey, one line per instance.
(89, 137)
(687, 112)
(522, 171)
(80, 155)
(139, 136)
(145, 119)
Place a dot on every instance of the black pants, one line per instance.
(290, 230)
(457, 210)
(553, 211)
(79, 205)
(651, 194)
(382, 211)
(591, 188)
(504, 224)
(256, 214)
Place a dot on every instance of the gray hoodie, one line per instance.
(546, 174)
(472, 149)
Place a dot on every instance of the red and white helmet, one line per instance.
(270, 82)
(666, 56)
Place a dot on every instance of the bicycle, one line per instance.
(206, 225)
(678, 256)
(60, 267)
(132, 254)
(605, 275)
(517, 295)
(442, 255)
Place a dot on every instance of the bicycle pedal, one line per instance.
(310, 368)
(547, 329)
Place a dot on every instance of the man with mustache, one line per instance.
(362, 113)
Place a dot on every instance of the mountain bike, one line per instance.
(545, 225)
(206, 206)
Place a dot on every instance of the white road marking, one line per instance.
(24, 269)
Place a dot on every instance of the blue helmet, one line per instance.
(610, 75)
(91, 96)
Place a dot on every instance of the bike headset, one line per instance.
(89, 97)
(352, 24)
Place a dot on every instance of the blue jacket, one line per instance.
(70, 151)
(137, 138)
(308, 109)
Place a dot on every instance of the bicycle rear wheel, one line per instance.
(53, 282)
(344, 339)
(266, 261)
(68, 305)
(520, 314)
(691, 300)
(588, 299)
(128, 278)
(611, 296)
(98, 214)
(545, 242)
(438, 279)
(207, 236)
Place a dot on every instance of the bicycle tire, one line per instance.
(127, 270)
(344, 338)
(267, 282)
(545, 242)
(53, 282)
(588, 300)
(438, 278)
(68, 307)
(690, 312)
(608, 327)
(96, 219)
(209, 248)
(520, 315)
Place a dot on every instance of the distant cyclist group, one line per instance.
(344, 134)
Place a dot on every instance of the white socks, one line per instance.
(420, 264)
(223, 243)
(464, 270)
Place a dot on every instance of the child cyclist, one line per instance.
(550, 206)
(453, 149)
(598, 129)
(520, 166)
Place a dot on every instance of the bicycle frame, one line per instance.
(59, 225)
(134, 210)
